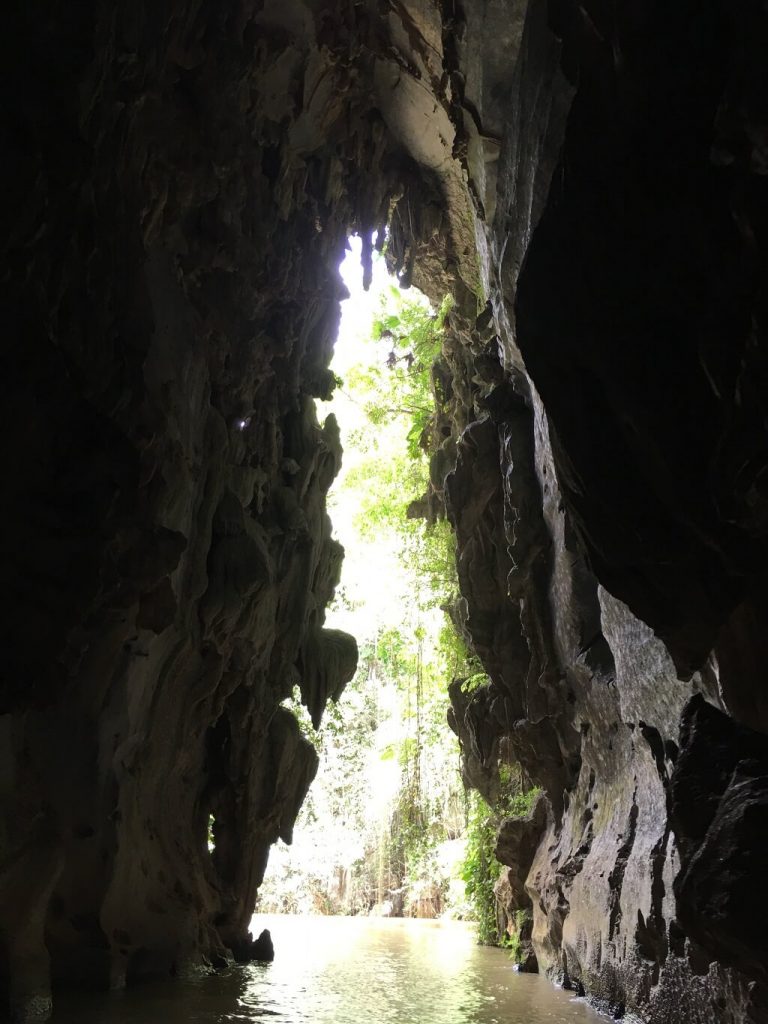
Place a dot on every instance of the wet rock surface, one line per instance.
(653, 243)
(719, 810)
(610, 347)
(589, 183)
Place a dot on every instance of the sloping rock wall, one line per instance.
(630, 306)
(588, 180)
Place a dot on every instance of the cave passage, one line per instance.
(579, 189)
(393, 825)
(383, 829)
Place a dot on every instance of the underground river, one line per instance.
(335, 970)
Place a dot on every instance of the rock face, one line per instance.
(719, 811)
(589, 182)
(171, 302)
(516, 846)
(631, 308)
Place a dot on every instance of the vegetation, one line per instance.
(480, 868)
(389, 780)
(387, 826)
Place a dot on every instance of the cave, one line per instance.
(589, 181)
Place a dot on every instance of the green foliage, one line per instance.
(368, 851)
(475, 682)
(409, 338)
(396, 390)
(512, 941)
(304, 719)
(481, 869)
(519, 804)
(515, 801)
(386, 410)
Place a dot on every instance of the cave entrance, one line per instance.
(383, 830)
(388, 828)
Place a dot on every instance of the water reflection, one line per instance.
(348, 971)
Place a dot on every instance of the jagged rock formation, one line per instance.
(516, 845)
(631, 309)
(719, 814)
(172, 298)
(589, 182)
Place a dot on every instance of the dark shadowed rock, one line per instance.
(516, 846)
(719, 811)
(588, 181)
(260, 949)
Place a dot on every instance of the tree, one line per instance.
(392, 721)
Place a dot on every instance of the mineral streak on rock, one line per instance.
(588, 180)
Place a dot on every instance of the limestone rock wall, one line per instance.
(588, 181)
(598, 488)
(183, 176)
(171, 299)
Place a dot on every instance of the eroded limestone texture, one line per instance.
(588, 180)
(719, 811)
(631, 308)
(171, 301)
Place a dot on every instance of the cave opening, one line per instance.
(382, 831)
(393, 826)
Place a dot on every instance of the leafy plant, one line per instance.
(391, 719)
(519, 804)
(511, 942)
(481, 869)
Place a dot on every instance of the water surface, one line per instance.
(336, 970)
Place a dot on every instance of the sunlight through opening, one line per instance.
(381, 830)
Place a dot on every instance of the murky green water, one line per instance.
(348, 971)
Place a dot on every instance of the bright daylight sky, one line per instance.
(371, 575)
